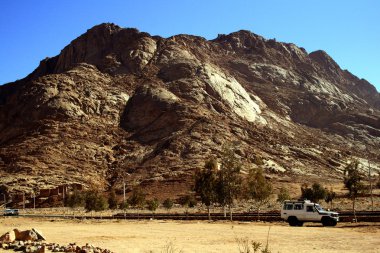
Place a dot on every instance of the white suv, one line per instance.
(298, 212)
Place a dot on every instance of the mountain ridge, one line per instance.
(118, 104)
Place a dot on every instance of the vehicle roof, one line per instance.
(298, 201)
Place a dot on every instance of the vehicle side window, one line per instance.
(288, 206)
(309, 209)
(298, 207)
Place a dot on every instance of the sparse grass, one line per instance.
(169, 247)
(245, 245)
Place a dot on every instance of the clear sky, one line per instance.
(348, 30)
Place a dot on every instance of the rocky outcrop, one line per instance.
(32, 241)
(118, 104)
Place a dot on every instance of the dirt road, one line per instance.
(153, 236)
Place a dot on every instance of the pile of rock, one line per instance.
(72, 247)
(32, 241)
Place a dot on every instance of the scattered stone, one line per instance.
(30, 241)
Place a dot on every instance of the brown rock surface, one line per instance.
(120, 103)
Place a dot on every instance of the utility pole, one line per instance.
(124, 191)
(369, 177)
(370, 183)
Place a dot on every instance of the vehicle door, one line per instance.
(311, 213)
(299, 211)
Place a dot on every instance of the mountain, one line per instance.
(121, 105)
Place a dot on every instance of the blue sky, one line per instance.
(347, 30)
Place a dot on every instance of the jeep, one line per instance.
(10, 212)
(298, 212)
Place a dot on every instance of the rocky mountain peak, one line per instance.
(118, 103)
(325, 61)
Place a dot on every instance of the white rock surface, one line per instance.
(233, 94)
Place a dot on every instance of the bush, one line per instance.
(137, 199)
(94, 201)
(187, 201)
(314, 194)
(112, 200)
(75, 199)
(168, 203)
(124, 205)
(153, 204)
(330, 196)
(283, 195)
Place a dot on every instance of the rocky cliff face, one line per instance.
(118, 103)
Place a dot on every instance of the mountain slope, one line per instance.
(118, 104)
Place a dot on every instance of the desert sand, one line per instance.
(153, 236)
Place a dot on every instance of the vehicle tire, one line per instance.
(328, 222)
(293, 221)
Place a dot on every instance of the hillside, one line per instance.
(118, 104)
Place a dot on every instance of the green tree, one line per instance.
(330, 196)
(258, 188)
(112, 200)
(205, 184)
(153, 204)
(187, 201)
(75, 199)
(137, 198)
(353, 182)
(282, 195)
(168, 204)
(124, 205)
(228, 183)
(95, 201)
(314, 194)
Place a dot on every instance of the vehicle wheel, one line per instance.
(299, 223)
(328, 222)
(293, 221)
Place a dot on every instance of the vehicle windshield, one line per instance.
(319, 208)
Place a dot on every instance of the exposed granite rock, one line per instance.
(120, 103)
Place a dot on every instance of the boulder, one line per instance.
(27, 235)
(39, 234)
(8, 237)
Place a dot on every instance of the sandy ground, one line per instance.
(152, 236)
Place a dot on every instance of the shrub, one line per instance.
(168, 203)
(153, 204)
(330, 196)
(75, 199)
(112, 200)
(283, 194)
(94, 201)
(137, 198)
(314, 194)
(188, 201)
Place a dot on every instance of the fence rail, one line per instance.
(344, 216)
